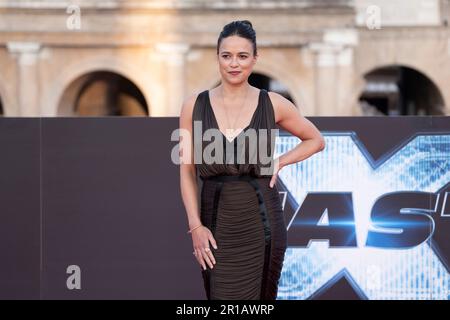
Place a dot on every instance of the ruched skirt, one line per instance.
(246, 219)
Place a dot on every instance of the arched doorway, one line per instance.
(399, 90)
(102, 93)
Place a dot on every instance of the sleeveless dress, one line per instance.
(243, 213)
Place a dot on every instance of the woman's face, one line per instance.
(236, 59)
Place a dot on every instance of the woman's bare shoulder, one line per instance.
(188, 104)
(281, 105)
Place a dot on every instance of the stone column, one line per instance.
(27, 54)
(325, 78)
(333, 68)
(175, 57)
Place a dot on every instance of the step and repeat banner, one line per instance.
(90, 208)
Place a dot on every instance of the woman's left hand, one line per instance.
(277, 169)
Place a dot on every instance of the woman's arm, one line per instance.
(201, 235)
(288, 117)
(188, 174)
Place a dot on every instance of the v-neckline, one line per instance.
(243, 130)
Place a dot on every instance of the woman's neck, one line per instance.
(235, 91)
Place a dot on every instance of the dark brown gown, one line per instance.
(243, 213)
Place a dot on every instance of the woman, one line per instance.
(239, 235)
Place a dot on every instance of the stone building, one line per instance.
(142, 57)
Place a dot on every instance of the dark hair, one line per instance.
(241, 28)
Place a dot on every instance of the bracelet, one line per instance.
(190, 231)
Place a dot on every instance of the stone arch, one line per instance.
(102, 93)
(74, 71)
(399, 89)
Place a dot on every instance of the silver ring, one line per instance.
(207, 249)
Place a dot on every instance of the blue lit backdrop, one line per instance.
(420, 164)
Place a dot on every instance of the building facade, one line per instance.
(142, 58)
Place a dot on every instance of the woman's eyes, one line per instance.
(241, 56)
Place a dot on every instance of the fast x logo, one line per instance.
(382, 227)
